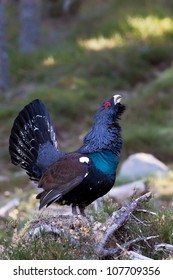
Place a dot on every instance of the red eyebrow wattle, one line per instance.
(106, 104)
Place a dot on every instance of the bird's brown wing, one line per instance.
(61, 177)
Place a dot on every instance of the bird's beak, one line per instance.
(117, 98)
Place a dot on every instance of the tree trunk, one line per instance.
(29, 37)
(3, 51)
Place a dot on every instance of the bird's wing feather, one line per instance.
(61, 177)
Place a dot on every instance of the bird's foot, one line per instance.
(74, 210)
(81, 210)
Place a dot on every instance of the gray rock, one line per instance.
(141, 165)
(121, 194)
(3, 178)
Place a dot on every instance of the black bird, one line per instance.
(77, 178)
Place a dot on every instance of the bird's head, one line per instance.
(106, 131)
(110, 110)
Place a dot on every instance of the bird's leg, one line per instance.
(82, 211)
(74, 210)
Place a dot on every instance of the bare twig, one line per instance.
(139, 221)
(146, 211)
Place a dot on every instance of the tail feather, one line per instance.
(33, 142)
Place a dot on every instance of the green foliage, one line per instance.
(105, 210)
(160, 224)
(43, 248)
(153, 130)
(44, 245)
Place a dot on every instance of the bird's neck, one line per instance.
(99, 138)
(105, 161)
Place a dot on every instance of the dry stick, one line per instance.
(146, 224)
(108, 252)
(123, 217)
(136, 220)
(146, 211)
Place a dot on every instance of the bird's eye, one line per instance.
(106, 104)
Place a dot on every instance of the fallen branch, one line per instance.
(118, 219)
(128, 244)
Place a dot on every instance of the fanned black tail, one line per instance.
(33, 143)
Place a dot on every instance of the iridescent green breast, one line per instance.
(105, 161)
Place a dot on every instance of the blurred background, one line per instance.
(74, 54)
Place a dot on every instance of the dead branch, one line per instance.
(146, 211)
(126, 245)
(138, 221)
(117, 220)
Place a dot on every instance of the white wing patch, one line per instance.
(84, 159)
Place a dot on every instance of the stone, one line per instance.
(3, 178)
(141, 165)
(121, 194)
